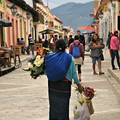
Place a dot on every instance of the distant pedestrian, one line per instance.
(66, 40)
(114, 46)
(81, 52)
(40, 40)
(109, 40)
(30, 44)
(71, 40)
(45, 44)
(96, 47)
(60, 37)
(81, 38)
(54, 41)
(22, 43)
(17, 41)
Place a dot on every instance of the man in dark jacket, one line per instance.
(81, 38)
(31, 44)
(71, 40)
(109, 39)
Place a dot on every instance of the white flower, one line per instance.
(38, 61)
(30, 65)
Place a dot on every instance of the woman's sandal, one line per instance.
(95, 73)
(101, 73)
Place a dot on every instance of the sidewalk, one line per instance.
(113, 75)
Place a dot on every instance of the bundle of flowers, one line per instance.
(89, 93)
(37, 64)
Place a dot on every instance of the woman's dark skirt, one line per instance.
(59, 96)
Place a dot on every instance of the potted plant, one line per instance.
(17, 51)
(6, 54)
(12, 53)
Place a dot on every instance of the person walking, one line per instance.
(96, 47)
(71, 40)
(54, 41)
(81, 50)
(30, 44)
(108, 41)
(60, 75)
(114, 46)
(22, 43)
(81, 38)
(66, 40)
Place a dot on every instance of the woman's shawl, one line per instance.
(57, 65)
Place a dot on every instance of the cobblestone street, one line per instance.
(23, 98)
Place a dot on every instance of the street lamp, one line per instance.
(20, 16)
(28, 15)
(46, 22)
(17, 15)
(96, 19)
(13, 10)
(93, 24)
(101, 14)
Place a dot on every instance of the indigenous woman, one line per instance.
(60, 70)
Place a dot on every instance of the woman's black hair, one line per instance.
(93, 37)
(60, 45)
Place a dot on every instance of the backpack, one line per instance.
(76, 52)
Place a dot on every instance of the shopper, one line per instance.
(60, 70)
(114, 46)
(96, 47)
(81, 51)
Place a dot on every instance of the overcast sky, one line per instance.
(55, 3)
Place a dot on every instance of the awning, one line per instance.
(5, 23)
(58, 31)
(48, 31)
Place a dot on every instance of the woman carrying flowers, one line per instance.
(60, 70)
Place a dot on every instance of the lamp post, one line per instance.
(28, 14)
(13, 10)
(17, 16)
(101, 15)
(96, 19)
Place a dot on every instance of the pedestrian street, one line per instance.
(23, 98)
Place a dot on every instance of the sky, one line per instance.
(55, 3)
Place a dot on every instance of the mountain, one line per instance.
(74, 14)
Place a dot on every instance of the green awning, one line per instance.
(57, 31)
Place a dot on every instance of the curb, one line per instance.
(114, 81)
(114, 75)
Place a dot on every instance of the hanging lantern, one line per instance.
(46, 22)
(101, 14)
(96, 19)
(28, 15)
(20, 16)
(17, 16)
(13, 10)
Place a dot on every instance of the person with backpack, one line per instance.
(76, 49)
(96, 46)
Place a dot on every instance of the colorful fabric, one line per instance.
(57, 65)
(59, 101)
